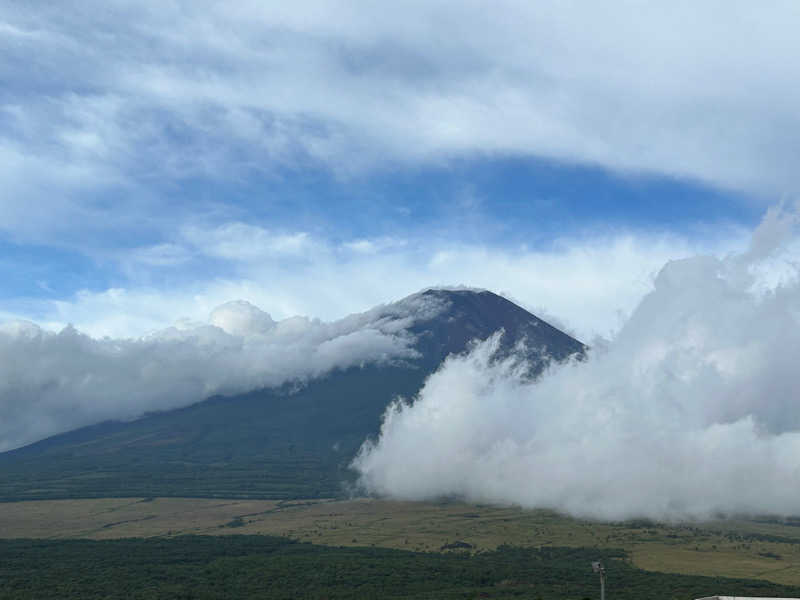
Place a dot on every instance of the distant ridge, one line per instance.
(287, 442)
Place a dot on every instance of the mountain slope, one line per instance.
(293, 441)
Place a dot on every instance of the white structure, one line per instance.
(598, 567)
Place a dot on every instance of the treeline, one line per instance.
(243, 566)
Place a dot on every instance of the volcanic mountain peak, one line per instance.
(279, 442)
(445, 319)
(464, 315)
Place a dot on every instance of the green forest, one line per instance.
(245, 566)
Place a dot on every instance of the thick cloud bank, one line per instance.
(54, 382)
(218, 90)
(693, 408)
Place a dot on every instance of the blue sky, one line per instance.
(318, 158)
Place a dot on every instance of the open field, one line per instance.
(731, 548)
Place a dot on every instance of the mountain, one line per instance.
(294, 441)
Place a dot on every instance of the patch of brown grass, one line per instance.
(721, 548)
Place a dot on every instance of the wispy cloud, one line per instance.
(241, 242)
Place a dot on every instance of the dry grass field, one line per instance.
(751, 549)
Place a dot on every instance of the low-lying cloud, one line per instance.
(691, 410)
(54, 382)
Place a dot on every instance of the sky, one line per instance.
(162, 158)
(309, 160)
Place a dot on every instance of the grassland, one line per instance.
(731, 548)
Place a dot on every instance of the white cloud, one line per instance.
(608, 273)
(239, 317)
(175, 90)
(242, 242)
(159, 255)
(690, 410)
(54, 382)
(373, 246)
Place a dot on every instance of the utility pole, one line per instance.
(597, 567)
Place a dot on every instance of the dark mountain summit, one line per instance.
(293, 441)
(475, 315)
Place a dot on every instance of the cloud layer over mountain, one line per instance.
(609, 270)
(54, 382)
(691, 409)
